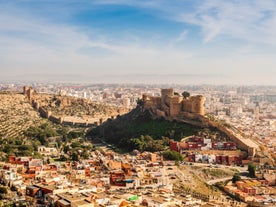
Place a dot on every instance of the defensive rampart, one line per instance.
(36, 100)
(191, 110)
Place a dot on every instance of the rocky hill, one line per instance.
(22, 128)
(78, 107)
(17, 113)
(139, 125)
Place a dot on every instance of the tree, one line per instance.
(172, 155)
(63, 158)
(185, 94)
(3, 190)
(139, 102)
(66, 149)
(75, 144)
(75, 156)
(74, 134)
(251, 170)
(236, 178)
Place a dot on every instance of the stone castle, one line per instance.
(171, 104)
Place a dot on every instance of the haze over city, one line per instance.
(191, 41)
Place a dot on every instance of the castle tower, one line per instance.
(25, 89)
(166, 92)
(198, 104)
(175, 105)
(30, 92)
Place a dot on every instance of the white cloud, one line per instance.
(34, 44)
(249, 21)
(253, 21)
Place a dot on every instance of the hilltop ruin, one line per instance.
(70, 110)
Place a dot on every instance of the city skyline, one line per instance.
(213, 42)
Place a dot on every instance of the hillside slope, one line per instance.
(139, 123)
(16, 115)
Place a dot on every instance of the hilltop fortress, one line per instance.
(170, 104)
(173, 106)
(70, 110)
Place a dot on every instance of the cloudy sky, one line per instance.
(208, 41)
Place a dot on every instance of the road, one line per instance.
(238, 168)
(212, 182)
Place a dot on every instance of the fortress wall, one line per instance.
(30, 92)
(160, 113)
(55, 119)
(25, 89)
(151, 102)
(193, 119)
(43, 112)
(186, 105)
(197, 104)
(175, 105)
(166, 92)
(241, 142)
(36, 105)
(166, 109)
(167, 100)
(194, 104)
(145, 98)
(37, 100)
(191, 111)
(68, 123)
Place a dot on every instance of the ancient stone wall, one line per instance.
(175, 105)
(28, 92)
(43, 112)
(191, 110)
(151, 102)
(25, 89)
(55, 119)
(166, 92)
(39, 102)
(197, 104)
(172, 104)
(187, 105)
(160, 113)
(242, 143)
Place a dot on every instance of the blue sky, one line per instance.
(227, 41)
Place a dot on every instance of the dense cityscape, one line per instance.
(135, 103)
(87, 170)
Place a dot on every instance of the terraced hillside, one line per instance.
(16, 115)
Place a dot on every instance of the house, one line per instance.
(47, 151)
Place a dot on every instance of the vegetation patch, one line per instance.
(137, 130)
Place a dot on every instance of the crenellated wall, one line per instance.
(151, 102)
(175, 104)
